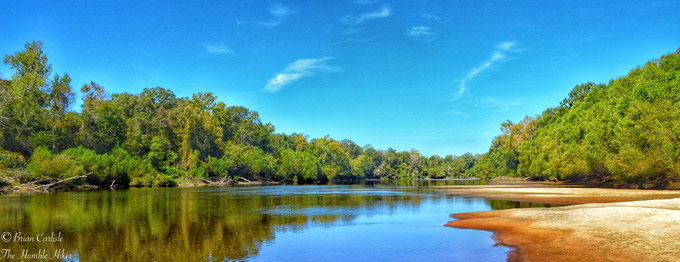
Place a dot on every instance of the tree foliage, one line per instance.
(155, 138)
(627, 130)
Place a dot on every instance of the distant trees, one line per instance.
(156, 139)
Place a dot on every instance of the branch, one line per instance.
(46, 187)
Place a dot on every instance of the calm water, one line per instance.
(369, 222)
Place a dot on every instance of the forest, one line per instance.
(157, 139)
(625, 131)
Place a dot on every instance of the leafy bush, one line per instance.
(45, 165)
(153, 180)
(217, 167)
(175, 173)
(198, 172)
(10, 159)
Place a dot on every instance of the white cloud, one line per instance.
(430, 17)
(220, 49)
(498, 54)
(420, 32)
(280, 12)
(297, 70)
(384, 12)
(281, 80)
(269, 24)
(507, 45)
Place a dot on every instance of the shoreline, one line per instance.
(553, 193)
(616, 225)
(69, 187)
(236, 183)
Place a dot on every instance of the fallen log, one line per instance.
(46, 187)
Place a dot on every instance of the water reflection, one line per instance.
(232, 223)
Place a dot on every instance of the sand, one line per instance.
(548, 193)
(647, 230)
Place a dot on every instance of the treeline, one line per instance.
(626, 131)
(157, 139)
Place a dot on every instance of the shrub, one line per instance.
(10, 159)
(153, 180)
(44, 165)
(217, 167)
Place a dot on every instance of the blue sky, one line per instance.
(437, 76)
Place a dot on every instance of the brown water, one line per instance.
(367, 222)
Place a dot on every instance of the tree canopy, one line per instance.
(626, 131)
(155, 138)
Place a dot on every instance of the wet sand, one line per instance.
(647, 230)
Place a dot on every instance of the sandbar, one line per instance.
(615, 226)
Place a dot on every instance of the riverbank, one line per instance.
(223, 182)
(47, 186)
(621, 224)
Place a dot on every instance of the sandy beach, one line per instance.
(553, 194)
(642, 225)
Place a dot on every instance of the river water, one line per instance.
(360, 222)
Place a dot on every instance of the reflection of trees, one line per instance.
(176, 224)
(506, 204)
(431, 182)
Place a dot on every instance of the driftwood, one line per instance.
(224, 181)
(47, 187)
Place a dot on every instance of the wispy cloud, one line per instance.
(146, 70)
(420, 32)
(280, 14)
(430, 17)
(500, 53)
(297, 70)
(144, 52)
(280, 11)
(503, 104)
(150, 76)
(219, 49)
(506, 46)
(384, 12)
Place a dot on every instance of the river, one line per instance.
(359, 222)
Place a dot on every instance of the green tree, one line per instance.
(27, 99)
(59, 99)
